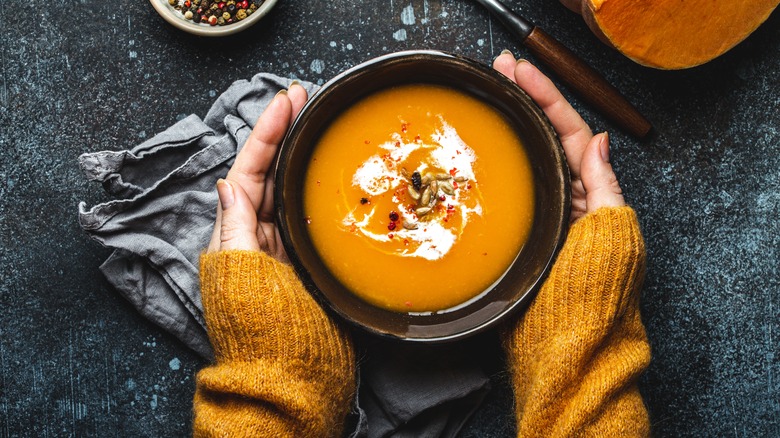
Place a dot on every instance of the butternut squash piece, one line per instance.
(673, 34)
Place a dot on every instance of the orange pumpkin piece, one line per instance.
(673, 34)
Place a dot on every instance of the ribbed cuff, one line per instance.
(285, 367)
(576, 353)
(255, 307)
(597, 275)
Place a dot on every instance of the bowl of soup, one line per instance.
(422, 196)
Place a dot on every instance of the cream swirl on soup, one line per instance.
(445, 158)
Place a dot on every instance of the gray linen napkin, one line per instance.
(161, 219)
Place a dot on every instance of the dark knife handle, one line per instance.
(587, 82)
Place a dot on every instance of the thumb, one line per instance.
(601, 184)
(238, 229)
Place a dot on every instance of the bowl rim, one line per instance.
(176, 19)
(521, 299)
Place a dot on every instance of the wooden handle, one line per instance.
(587, 82)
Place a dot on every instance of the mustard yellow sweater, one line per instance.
(284, 369)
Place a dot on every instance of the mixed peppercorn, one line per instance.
(216, 12)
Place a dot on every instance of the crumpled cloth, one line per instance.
(161, 220)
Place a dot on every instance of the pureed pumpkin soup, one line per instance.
(418, 197)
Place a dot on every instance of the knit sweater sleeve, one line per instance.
(282, 367)
(577, 352)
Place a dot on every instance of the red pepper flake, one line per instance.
(417, 138)
(390, 235)
(442, 198)
(393, 216)
(454, 184)
(391, 227)
(468, 186)
(406, 242)
(408, 304)
(484, 253)
(453, 171)
(318, 182)
(307, 219)
(352, 227)
(398, 144)
(404, 127)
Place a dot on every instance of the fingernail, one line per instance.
(604, 146)
(225, 193)
(519, 60)
(506, 52)
(294, 82)
(283, 92)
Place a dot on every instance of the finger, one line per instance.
(265, 217)
(214, 242)
(505, 64)
(298, 97)
(572, 130)
(254, 161)
(598, 178)
(239, 221)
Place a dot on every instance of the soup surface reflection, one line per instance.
(419, 197)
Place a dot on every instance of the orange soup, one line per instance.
(418, 198)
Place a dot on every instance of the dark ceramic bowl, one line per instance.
(517, 286)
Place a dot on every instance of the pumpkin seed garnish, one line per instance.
(447, 188)
(422, 211)
(425, 198)
(413, 193)
(410, 225)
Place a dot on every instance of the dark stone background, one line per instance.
(81, 76)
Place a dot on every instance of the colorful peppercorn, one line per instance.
(215, 13)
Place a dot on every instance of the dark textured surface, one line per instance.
(76, 360)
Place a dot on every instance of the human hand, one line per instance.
(245, 214)
(593, 183)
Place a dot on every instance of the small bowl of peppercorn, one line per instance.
(212, 17)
